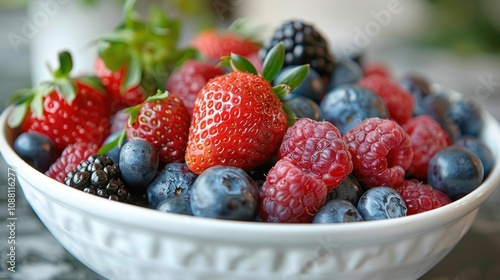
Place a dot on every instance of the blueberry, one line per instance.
(36, 149)
(303, 107)
(350, 189)
(345, 72)
(479, 148)
(419, 88)
(455, 171)
(437, 106)
(348, 105)
(312, 87)
(337, 211)
(176, 204)
(173, 180)
(225, 192)
(138, 164)
(466, 113)
(114, 154)
(381, 203)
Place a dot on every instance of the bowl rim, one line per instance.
(145, 219)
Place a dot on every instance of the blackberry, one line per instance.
(98, 175)
(303, 44)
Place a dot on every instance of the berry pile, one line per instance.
(231, 129)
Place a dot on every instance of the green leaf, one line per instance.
(21, 96)
(119, 35)
(17, 115)
(133, 111)
(291, 118)
(133, 74)
(239, 63)
(65, 65)
(295, 76)
(273, 62)
(66, 88)
(115, 56)
(225, 61)
(116, 142)
(36, 103)
(93, 82)
(281, 91)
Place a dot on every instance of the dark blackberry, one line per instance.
(303, 44)
(98, 175)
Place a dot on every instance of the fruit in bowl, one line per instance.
(249, 164)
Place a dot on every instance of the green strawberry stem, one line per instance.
(273, 64)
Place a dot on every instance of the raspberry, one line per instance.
(187, 81)
(70, 157)
(399, 102)
(375, 69)
(420, 197)
(427, 138)
(319, 150)
(290, 195)
(381, 152)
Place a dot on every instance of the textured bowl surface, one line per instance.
(121, 241)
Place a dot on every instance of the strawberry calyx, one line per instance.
(273, 63)
(133, 111)
(147, 50)
(62, 82)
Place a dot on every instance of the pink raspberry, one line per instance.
(69, 159)
(381, 152)
(319, 150)
(290, 195)
(420, 197)
(187, 81)
(399, 102)
(374, 69)
(427, 138)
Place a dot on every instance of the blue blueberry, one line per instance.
(345, 72)
(381, 203)
(225, 192)
(455, 171)
(312, 87)
(114, 154)
(303, 107)
(138, 164)
(419, 88)
(337, 211)
(350, 189)
(479, 148)
(437, 106)
(177, 204)
(174, 179)
(466, 113)
(36, 149)
(347, 105)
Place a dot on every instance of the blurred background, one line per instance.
(452, 42)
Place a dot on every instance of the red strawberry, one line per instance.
(70, 157)
(113, 81)
(163, 121)
(65, 110)
(187, 81)
(136, 58)
(238, 119)
(214, 45)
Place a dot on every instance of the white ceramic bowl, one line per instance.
(121, 241)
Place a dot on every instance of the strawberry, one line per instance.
(187, 81)
(163, 121)
(135, 59)
(66, 110)
(213, 44)
(238, 118)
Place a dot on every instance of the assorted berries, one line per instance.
(229, 129)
